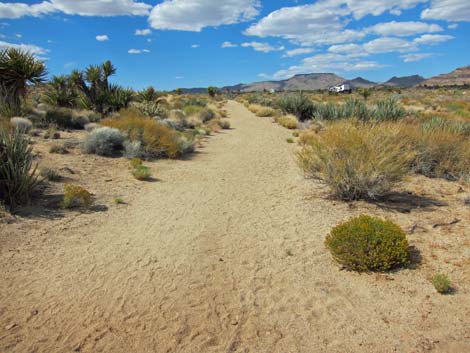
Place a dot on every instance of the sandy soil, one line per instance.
(224, 253)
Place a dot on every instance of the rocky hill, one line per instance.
(458, 77)
(404, 81)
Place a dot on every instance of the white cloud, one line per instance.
(327, 63)
(228, 45)
(403, 29)
(72, 7)
(102, 38)
(453, 26)
(325, 21)
(33, 49)
(298, 51)
(143, 32)
(194, 15)
(263, 47)
(409, 58)
(138, 51)
(194, 46)
(449, 10)
(389, 45)
(430, 39)
(179, 77)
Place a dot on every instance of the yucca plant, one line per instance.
(148, 95)
(18, 68)
(17, 170)
(297, 104)
(388, 109)
(61, 92)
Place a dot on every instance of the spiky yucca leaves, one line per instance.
(93, 83)
(120, 97)
(148, 95)
(297, 104)
(18, 68)
(17, 172)
(61, 92)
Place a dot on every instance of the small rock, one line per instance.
(9, 327)
(34, 312)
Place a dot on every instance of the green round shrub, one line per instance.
(368, 243)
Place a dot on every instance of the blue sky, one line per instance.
(192, 43)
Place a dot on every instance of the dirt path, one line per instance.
(223, 254)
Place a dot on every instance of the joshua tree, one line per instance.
(212, 91)
(93, 82)
(148, 95)
(61, 92)
(18, 68)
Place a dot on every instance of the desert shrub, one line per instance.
(50, 174)
(298, 104)
(266, 112)
(206, 114)
(135, 162)
(388, 109)
(296, 134)
(224, 124)
(357, 161)
(141, 172)
(368, 243)
(455, 127)
(103, 141)
(58, 149)
(18, 177)
(192, 109)
(185, 145)
(119, 201)
(355, 108)
(439, 152)
(91, 126)
(23, 125)
(289, 140)
(133, 149)
(66, 118)
(75, 195)
(328, 111)
(442, 283)
(288, 121)
(157, 139)
(151, 109)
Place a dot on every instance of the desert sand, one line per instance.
(224, 253)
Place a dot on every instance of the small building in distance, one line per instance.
(343, 88)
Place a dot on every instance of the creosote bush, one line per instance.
(297, 104)
(368, 243)
(75, 195)
(103, 141)
(141, 172)
(357, 161)
(442, 283)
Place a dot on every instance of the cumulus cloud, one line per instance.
(389, 45)
(143, 32)
(448, 10)
(408, 58)
(325, 21)
(72, 7)
(194, 46)
(403, 29)
(102, 38)
(430, 39)
(138, 51)
(33, 49)
(194, 15)
(228, 45)
(263, 47)
(298, 51)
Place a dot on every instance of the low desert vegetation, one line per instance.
(442, 283)
(288, 121)
(141, 172)
(75, 196)
(368, 243)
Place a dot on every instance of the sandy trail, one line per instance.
(223, 254)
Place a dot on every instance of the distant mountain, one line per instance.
(313, 81)
(458, 77)
(405, 81)
(360, 82)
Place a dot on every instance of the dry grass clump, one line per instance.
(262, 111)
(368, 243)
(442, 283)
(288, 121)
(142, 172)
(157, 139)
(357, 161)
